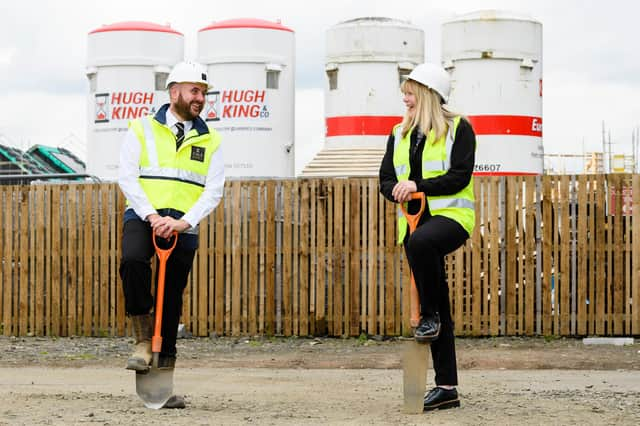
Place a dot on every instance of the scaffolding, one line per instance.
(588, 163)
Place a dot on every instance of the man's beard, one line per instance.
(184, 109)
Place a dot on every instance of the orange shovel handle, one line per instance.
(412, 220)
(163, 255)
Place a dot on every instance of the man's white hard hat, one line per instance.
(434, 77)
(188, 72)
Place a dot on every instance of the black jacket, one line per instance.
(452, 182)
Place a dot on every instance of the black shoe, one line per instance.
(439, 398)
(176, 401)
(429, 329)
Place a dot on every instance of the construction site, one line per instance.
(297, 308)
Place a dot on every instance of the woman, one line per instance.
(432, 151)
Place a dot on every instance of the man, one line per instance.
(172, 174)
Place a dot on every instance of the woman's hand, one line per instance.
(402, 190)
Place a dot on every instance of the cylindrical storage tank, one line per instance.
(366, 60)
(127, 67)
(251, 64)
(495, 61)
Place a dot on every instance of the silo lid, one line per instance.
(377, 20)
(493, 15)
(136, 26)
(247, 23)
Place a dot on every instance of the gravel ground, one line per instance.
(318, 381)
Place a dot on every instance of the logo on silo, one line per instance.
(102, 108)
(237, 104)
(123, 106)
(212, 107)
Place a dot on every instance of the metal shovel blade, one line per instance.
(154, 387)
(414, 372)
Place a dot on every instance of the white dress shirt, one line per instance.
(172, 120)
(129, 173)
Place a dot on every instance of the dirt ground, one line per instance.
(292, 381)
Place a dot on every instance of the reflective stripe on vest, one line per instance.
(173, 174)
(397, 136)
(432, 166)
(401, 169)
(445, 203)
(150, 142)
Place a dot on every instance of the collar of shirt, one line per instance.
(172, 120)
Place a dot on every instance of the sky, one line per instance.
(591, 65)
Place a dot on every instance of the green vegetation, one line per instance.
(81, 357)
(362, 338)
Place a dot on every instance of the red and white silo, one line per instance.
(251, 63)
(127, 67)
(495, 61)
(366, 59)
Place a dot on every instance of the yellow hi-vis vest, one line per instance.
(173, 180)
(436, 160)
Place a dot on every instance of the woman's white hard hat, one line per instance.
(434, 77)
(188, 72)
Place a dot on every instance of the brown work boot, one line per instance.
(142, 329)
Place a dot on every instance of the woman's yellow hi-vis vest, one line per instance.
(436, 160)
(173, 179)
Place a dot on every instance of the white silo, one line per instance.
(495, 61)
(127, 67)
(251, 63)
(366, 60)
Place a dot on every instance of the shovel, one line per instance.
(155, 386)
(415, 359)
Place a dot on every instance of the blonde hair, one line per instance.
(429, 111)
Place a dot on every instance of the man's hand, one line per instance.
(403, 190)
(153, 218)
(164, 226)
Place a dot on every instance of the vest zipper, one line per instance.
(184, 141)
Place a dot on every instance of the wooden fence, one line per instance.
(550, 255)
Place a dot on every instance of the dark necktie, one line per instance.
(179, 134)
